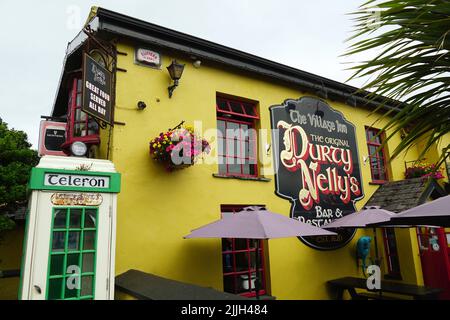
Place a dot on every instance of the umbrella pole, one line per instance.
(256, 267)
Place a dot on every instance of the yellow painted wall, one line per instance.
(156, 208)
(10, 259)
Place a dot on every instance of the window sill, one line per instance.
(263, 179)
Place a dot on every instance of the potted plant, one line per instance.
(423, 170)
(178, 148)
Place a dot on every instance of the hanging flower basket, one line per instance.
(423, 170)
(178, 148)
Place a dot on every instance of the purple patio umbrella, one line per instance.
(433, 213)
(361, 219)
(364, 219)
(256, 223)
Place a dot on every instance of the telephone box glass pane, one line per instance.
(56, 264)
(75, 218)
(59, 238)
(59, 221)
(55, 289)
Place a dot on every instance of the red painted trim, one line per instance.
(234, 273)
(244, 113)
(382, 166)
(389, 254)
(74, 91)
(242, 141)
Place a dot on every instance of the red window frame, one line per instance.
(391, 252)
(244, 114)
(232, 281)
(379, 165)
(74, 104)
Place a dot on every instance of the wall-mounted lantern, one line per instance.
(175, 71)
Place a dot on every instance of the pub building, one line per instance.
(305, 147)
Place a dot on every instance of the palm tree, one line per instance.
(412, 65)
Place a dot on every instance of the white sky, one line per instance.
(304, 34)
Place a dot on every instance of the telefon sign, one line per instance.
(317, 165)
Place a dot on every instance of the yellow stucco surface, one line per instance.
(10, 259)
(156, 208)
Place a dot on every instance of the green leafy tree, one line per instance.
(411, 39)
(16, 161)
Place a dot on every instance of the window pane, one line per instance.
(89, 218)
(231, 149)
(230, 284)
(56, 264)
(240, 244)
(59, 221)
(238, 147)
(72, 286)
(73, 260)
(58, 241)
(234, 168)
(222, 105)
(78, 99)
(372, 151)
(92, 126)
(221, 127)
(75, 218)
(88, 262)
(236, 107)
(221, 146)
(232, 129)
(74, 240)
(252, 150)
(77, 130)
(227, 262)
(55, 289)
(89, 240)
(222, 165)
(242, 263)
(249, 110)
(86, 286)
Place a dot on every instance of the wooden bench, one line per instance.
(352, 283)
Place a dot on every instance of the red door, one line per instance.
(435, 258)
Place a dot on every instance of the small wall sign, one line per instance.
(148, 57)
(51, 136)
(77, 199)
(317, 165)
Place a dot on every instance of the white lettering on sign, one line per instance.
(70, 180)
(148, 56)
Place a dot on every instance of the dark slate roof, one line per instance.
(147, 286)
(397, 196)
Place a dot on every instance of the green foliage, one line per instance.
(16, 161)
(413, 64)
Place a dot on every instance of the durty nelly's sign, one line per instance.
(317, 165)
(71, 180)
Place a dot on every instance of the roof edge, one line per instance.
(247, 61)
